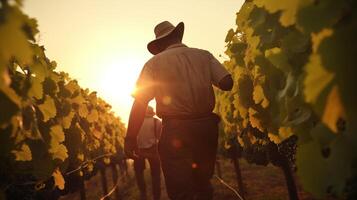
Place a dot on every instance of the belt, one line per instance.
(190, 117)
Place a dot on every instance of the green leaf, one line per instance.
(283, 133)
(317, 79)
(57, 150)
(13, 39)
(341, 163)
(23, 154)
(67, 120)
(50, 86)
(230, 35)
(278, 58)
(296, 42)
(242, 19)
(328, 12)
(322, 135)
(328, 157)
(259, 96)
(334, 110)
(288, 9)
(311, 164)
(42, 161)
(39, 71)
(58, 179)
(97, 133)
(36, 89)
(238, 48)
(317, 38)
(245, 86)
(257, 18)
(252, 51)
(10, 104)
(337, 56)
(30, 27)
(93, 98)
(57, 134)
(79, 99)
(83, 110)
(66, 108)
(48, 108)
(72, 86)
(255, 120)
(93, 116)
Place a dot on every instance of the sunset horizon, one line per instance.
(109, 58)
(178, 100)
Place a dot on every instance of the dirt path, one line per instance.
(262, 183)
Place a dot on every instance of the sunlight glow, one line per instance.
(116, 82)
(104, 45)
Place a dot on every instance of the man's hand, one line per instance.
(226, 84)
(131, 147)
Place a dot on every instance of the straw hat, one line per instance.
(162, 30)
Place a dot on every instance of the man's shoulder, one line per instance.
(149, 62)
(194, 49)
(181, 50)
(184, 50)
(198, 50)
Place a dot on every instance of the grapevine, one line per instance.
(293, 63)
(49, 125)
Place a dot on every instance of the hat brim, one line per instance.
(154, 46)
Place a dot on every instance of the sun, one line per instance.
(116, 82)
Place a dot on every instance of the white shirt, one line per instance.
(147, 136)
(180, 79)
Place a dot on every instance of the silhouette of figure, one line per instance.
(148, 137)
(180, 79)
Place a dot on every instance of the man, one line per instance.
(180, 79)
(148, 137)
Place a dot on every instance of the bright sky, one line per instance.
(102, 43)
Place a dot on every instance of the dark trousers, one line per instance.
(152, 156)
(187, 151)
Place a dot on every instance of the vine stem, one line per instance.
(229, 187)
(113, 189)
(81, 166)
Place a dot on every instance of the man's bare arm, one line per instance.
(136, 119)
(226, 83)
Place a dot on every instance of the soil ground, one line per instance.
(261, 183)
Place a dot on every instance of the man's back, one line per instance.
(182, 79)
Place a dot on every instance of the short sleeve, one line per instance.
(158, 127)
(218, 72)
(145, 85)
